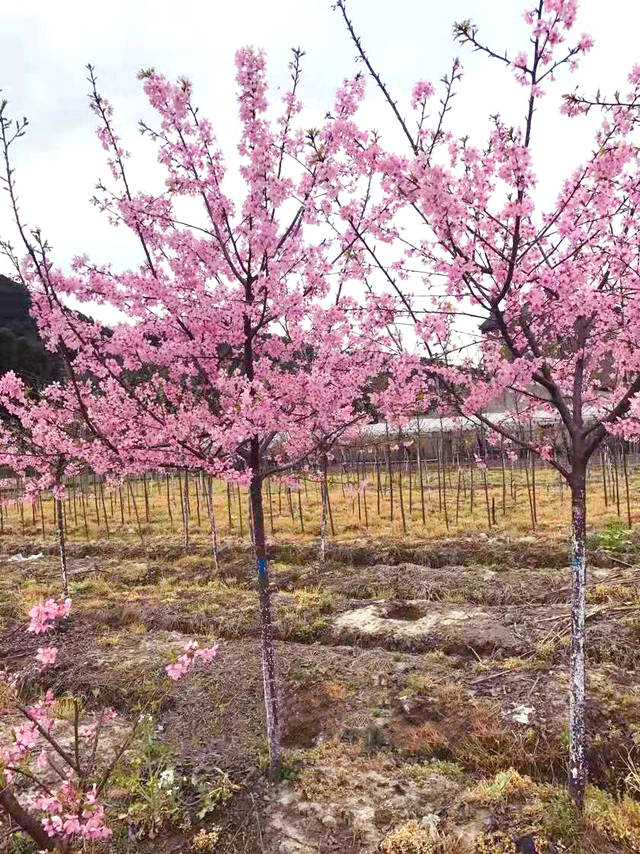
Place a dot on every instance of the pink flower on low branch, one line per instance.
(44, 616)
(71, 812)
(46, 656)
(192, 653)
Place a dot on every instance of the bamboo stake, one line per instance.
(626, 485)
(95, 500)
(378, 481)
(146, 498)
(197, 503)
(486, 494)
(400, 493)
(83, 504)
(135, 508)
(270, 507)
(531, 510)
(390, 472)
(421, 480)
(504, 478)
(444, 479)
(104, 509)
(240, 512)
(59, 508)
(616, 479)
(169, 513)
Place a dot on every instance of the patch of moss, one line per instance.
(410, 838)
(551, 810)
(420, 771)
(504, 787)
(617, 820)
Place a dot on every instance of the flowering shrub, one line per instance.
(63, 804)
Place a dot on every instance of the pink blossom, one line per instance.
(46, 656)
(586, 42)
(179, 668)
(207, 654)
(422, 90)
(520, 60)
(43, 616)
(184, 663)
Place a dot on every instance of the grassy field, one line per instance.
(423, 672)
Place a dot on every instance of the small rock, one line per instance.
(522, 714)
(286, 797)
(526, 845)
(363, 819)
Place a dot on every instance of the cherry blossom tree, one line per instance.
(555, 286)
(240, 340)
(44, 444)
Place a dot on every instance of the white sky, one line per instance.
(44, 47)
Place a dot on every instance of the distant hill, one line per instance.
(21, 349)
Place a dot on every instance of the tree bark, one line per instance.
(577, 728)
(266, 624)
(27, 822)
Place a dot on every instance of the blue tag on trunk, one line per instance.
(262, 566)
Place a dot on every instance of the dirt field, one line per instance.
(423, 686)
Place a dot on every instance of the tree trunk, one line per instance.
(62, 545)
(266, 624)
(577, 729)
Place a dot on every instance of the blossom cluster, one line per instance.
(44, 615)
(73, 814)
(191, 655)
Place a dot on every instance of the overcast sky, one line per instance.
(44, 47)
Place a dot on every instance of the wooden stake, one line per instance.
(135, 508)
